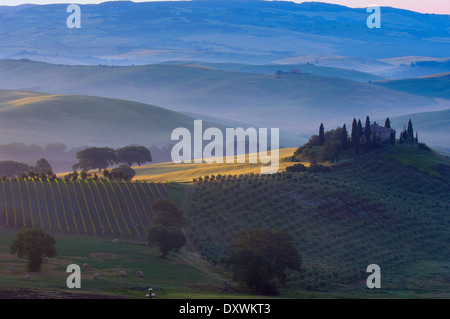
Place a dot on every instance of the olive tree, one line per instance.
(260, 259)
(34, 245)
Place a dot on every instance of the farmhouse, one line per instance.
(379, 133)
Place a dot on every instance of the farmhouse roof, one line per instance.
(375, 128)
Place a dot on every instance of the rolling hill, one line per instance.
(432, 127)
(136, 71)
(437, 85)
(308, 66)
(389, 208)
(395, 68)
(31, 121)
(294, 102)
(37, 118)
(255, 32)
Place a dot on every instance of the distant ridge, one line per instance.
(216, 31)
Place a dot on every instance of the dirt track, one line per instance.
(25, 293)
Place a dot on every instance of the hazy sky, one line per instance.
(424, 6)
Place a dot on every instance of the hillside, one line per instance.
(306, 67)
(437, 85)
(96, 208)
(432, 127)
(37, 118)
(292, 102)
(390, 209)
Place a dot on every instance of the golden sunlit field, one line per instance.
(186, 172)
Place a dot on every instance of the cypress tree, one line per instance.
(321, 135)
(410, 131)
(392, 137)
(387, 123)
(367, 132)
(344, 138)
(355, 136)
(360, 130)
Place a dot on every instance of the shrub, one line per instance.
(296, 168)
(123, 172)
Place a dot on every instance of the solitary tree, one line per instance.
(166, 238)
(33, 244)
(166, 231)
(168, 214)
(260, 257)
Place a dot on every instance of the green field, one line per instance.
(180, 275)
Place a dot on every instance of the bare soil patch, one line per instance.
(26, 293)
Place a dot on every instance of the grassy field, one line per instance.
(183, 275)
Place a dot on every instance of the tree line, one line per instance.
(103, 157)
(92, 158)
(42, 169)
(331, 145)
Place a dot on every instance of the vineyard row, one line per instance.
(116, 209)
